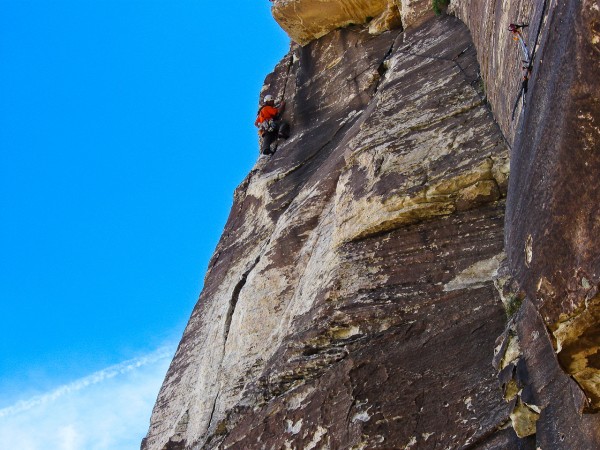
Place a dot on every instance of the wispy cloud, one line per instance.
(107, 410)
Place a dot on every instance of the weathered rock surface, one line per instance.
(553, 263)
(356, 295)
(307, 20)
(333, 281)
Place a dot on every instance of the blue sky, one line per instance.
(124, 128)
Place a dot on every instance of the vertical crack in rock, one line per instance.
(538, 32)
(212, 413)
(533, 50)
(287, 74)
(234, 299)
(228, 319)
(513, 377)
(383, 68)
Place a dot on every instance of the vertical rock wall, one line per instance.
(552, 226)
(351, 302)
(499, 55)
(351, 258)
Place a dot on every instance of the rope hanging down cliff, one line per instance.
(526, 67)
(528, 58)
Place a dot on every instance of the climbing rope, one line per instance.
(526, 66)
(528, 58)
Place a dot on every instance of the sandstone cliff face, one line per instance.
(306, 20)
(552, 225)
(351, 302)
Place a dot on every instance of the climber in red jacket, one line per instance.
(270, 126)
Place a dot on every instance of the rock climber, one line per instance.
(526, 65)
(270, 126)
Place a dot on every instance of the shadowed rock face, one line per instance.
(351, 302)
(552, 227)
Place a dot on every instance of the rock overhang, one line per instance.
(306, 20)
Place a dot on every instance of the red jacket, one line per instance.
(266, 113)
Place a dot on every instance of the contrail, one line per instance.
(95, 378)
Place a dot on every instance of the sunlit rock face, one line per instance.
(415, 12)
(350, 302)
(358, 298)
(305, 20)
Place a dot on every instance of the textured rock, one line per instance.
(361, 280)
(578, 348)
(543, 398)
(389, 19)
(305, 20)
(552, 227)
(411, 160)
(415, 12)
(358, 246)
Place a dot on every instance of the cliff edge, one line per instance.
(381, 281)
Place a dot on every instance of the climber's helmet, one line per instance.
(268, 98)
